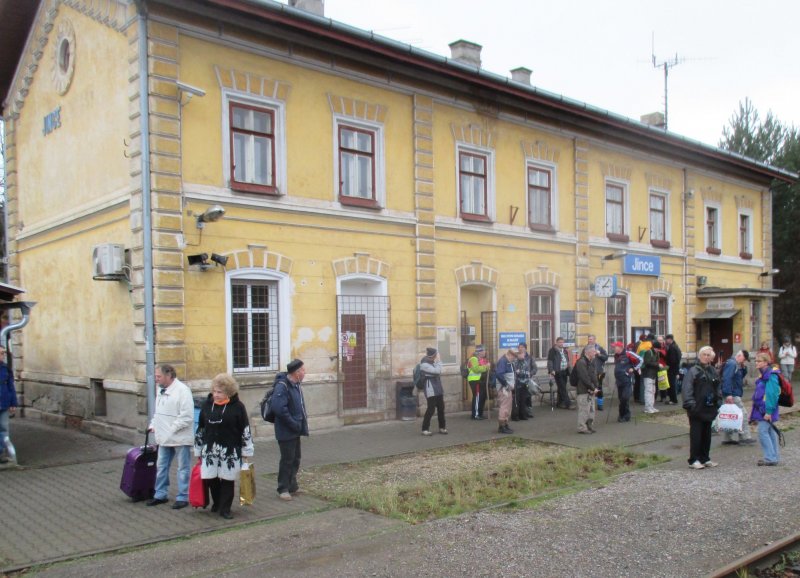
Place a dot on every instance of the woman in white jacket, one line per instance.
(787, 354)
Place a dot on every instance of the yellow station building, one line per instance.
(225, 185)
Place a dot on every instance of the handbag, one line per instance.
(198, 489)
(247, 484)
(663, 380)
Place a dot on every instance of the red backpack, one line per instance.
(786, 397)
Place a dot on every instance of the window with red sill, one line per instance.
(540, 198)
(252, 135)
(658, 221)
(712, 231)
(472, 186)
(357, 185)
(615, 213)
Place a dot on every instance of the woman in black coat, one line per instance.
(222, 440)
(701, 399)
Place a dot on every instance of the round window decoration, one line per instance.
(64, 57)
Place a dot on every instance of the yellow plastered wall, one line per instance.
(83, 160)
(309, 121)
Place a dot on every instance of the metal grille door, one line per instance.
(365, 355)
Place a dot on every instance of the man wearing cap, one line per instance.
(587, 389)
(599, 367)
(431, 369)
(291, 422)
(505, 389)
(625, 365)
(478, 367)
(733, 374)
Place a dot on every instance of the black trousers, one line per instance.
(672, 391)
(221, 494)
(289, 465)
(699, 440)
(434, 403)
(637, 387)
(624, 396)
(478, 404)
(521, 402)
(561, 382)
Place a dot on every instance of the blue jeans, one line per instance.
(4, 414)
(769, 442)
(165, 455)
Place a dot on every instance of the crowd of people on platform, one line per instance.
(648, 370)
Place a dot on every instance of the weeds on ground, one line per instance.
(527, 472)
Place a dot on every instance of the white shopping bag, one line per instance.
(730, 418)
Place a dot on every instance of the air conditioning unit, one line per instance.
(108, 261)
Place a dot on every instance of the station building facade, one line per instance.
(377, 199)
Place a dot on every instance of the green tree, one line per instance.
(772, 142)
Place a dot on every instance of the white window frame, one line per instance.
(751, 220)
(661, 295)
(278, 109)
(627, 322)
(718, 240)
(491, 213)
(553, 170)
(379, 156)
(626, 208)
(284, 314)
(667, 219)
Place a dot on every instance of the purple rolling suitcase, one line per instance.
(139, 474)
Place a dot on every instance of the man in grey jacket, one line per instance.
(173, 421)
(431, 368)
(587, 386)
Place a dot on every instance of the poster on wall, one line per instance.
(447, 344)
(567, 327)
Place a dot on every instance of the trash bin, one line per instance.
(198, 403)
(406, 401)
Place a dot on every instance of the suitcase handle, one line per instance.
(146, 439)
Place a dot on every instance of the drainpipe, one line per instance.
(147, 225)
(5, 339)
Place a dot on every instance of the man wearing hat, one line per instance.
(478, 375)
(733, 373)
(431, 368)
(291, 422)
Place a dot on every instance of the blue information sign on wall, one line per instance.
(642, 265)
(509, 340)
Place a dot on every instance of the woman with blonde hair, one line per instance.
(222, 441)
(701, 398)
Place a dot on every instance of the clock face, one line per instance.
(605, 286)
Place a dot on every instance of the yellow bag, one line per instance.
(247, 484)
(663, 380)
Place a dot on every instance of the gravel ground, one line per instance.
(671, 521)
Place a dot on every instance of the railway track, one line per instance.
(756, 563)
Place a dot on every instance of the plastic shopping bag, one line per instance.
(729, 418)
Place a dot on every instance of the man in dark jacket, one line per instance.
(623, 375)
(674, 355)
(291, 422)
(599, 367)
(558, 369)
(587, 389)
(431, 368)
(524, 369)
(650, 369)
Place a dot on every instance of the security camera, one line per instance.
(189, 89)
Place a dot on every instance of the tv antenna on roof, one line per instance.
(666, 65)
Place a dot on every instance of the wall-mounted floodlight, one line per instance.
(189, 91)
(219, 259)
(702, 280)
(210, 215)
(615, 255)
(769, 273)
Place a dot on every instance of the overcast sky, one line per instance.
(601, 52)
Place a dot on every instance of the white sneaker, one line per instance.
(285, 496)
(426, 433)
(696, 465)
(654, 410)
(710, 464)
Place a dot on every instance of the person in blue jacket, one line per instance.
(733, 374)
(765, 410)
(291, 422)
(8, 402)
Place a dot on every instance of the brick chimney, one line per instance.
(522, 75)
(466, 52)
(655, 119)
(314, 6)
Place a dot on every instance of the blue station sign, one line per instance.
(642, 265)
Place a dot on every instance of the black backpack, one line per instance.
(266, 406)
(573, 375)
(418, 377)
